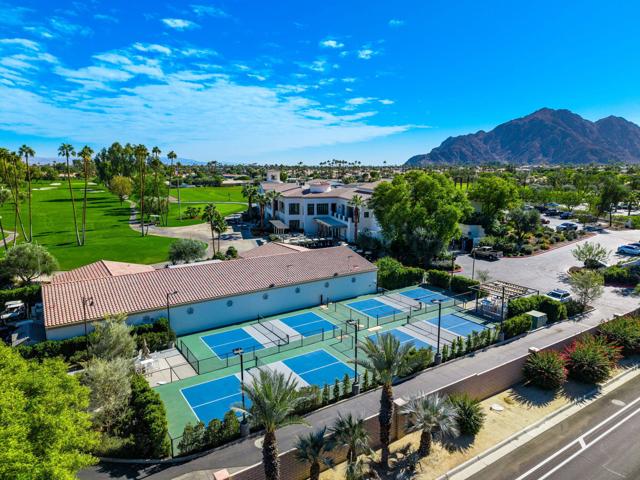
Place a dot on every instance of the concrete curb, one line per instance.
(471, 466)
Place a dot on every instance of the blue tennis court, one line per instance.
(404, 337)
(373, 308)
(458, 325)
(223, 343)
(318, 368)
(213, 399)
(424, 295)
(307, 324)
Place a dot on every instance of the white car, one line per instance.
(560, 295)
(629, 250)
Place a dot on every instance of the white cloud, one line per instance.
(198, 52)
(329, 43)
(67, 28)
(152, 47)
(386, 101)
(22, 42)
(105, 17)
(114, 58)
(349, 80)
(93, 74)
(202, 10)
(260, 78)
(394, 22)
(366, 53)
(360, 100)
(179, 23)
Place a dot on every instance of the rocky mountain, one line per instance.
(544, 137)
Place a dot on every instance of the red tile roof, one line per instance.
(272, 248)
(146, 291)
(100, 269)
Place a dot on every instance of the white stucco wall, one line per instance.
(217, 313)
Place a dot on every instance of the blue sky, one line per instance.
(291, 81)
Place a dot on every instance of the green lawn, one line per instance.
(108, 236)
(209, 194)
(224, 208)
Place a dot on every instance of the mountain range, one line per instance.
(546, 136)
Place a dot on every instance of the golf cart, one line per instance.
(13, 310)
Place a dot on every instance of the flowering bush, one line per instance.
(591, 358)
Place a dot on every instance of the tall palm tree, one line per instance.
(156, 165)
(433, 416)
(272, 197)
(349, 431)
(5, 195)
(273, 398)
(85, 155)
(220, 226)
(388, 359)
(26, 151)
(172, 156)
(262, 200)
(312, 449)
(249, 191)
(141, 153)
(209, 215)
(66, 150)
(17, 197)
(357, 202)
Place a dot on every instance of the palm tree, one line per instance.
(388, 359)
(313, 449)
(141, 153)
(156, 164)
(272, 197)
(262, 200)
(66, 150)
(172, 156)
(26, 151)
(17, 197)
(209, 215)
(273, 398)
(249, 191)
(357, 202)
(220, 226)
(433, 416)
(349, 431)
(5, 195)
(85, 155)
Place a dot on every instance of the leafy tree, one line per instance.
(28, 261)
(494, 195)
(44, 425)
(121, 186)
(389, 359)
(66, 150)
(419, 214)
(587, 286)
(312, 449)
(592, 254)
(432, 415)
(112, 339)
(186, 250)
(611, 192)
(349, 431)
(193, 438)
(570, 198)
(523, 222)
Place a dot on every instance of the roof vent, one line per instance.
(319, 186)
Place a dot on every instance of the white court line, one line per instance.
(578, 440)
(217, 399)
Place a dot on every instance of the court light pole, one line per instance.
(355, 388)
(438, 358)
(169, 295)
(86, 302)
(244, 425)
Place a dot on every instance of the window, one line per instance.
(333, 208)
(323, 209)
(366, 214)
(311, 209)
(353, 280)
(294, 209)
(326, 284)
(229, 303)
(265, 296)
(297, 289)
(190, 311)
(294, 225)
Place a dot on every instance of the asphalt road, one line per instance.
(600, 442)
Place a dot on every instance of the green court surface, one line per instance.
(209, 194)
(210, 352)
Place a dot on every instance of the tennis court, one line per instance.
(373, 308)
(457, 324)
(404, 337)
(423, 295)
(223, 343)
(307, 324)
(318, 368)
(212, 399)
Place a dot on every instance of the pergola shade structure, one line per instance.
(330, 227)
(278, 227)
(496, 295)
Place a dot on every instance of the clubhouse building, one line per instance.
(268, 280)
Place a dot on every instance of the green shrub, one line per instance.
(420, 359)
(438, 278)
(527, 249)
(232, 252)
(29, 294)
(471, 417)
(574, 308)
(618, 275)
(591, 358)
(623, 332)
(462, 284)
(517, 325)
(392, 274)
(555, 310)
(312, 395)
(545, 369)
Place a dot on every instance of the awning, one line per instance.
(278, 224)
(330, 222)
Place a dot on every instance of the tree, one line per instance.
(220, 226)
(357, 203)
(186, 250)
(112, 339)
(612, 191)
(5, 196)
(109, 382)
(570, 198)
(273, 398)
(28, 261)
(66, 150)
(349, 431)
(523, 222)
(209, 216)
(249, 191)
(494, 195)
(419, 214)
(312, 449)
(141, 153)
(27, 152)
(388, 359)
(85, 154)
(592, 254)
(262, 200)
(44, 425)
(15, 159)
(432, 415)
(172, 156)
(121, 186)
(587, 286)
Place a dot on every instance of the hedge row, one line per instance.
(29, 294)
(555, 310)
(392, 274)
(517, 325)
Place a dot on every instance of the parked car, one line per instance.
(566, 215)
(552, 212)
(628, 250)
(486, 253)
(593, 228)
(566, 226)
(558, 294)
(541, 208)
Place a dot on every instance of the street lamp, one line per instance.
(169, 295)
(86, 302)
(438, 358)
(355, 388)
(244, 425)
(473, 267)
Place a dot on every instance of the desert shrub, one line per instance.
(438, 278)
(527, 249)
(462, 284)
(623, 332)
(545, 369)
(544, 246)
(471, 417)
(591, 358)
(392, 274)
(516, 325)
